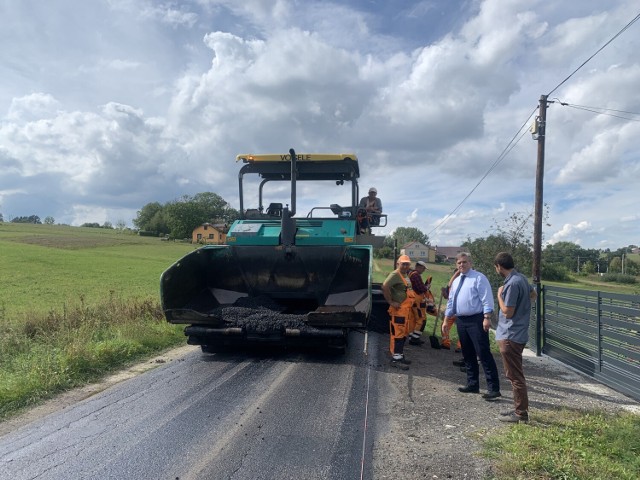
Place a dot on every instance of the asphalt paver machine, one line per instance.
(280, 278)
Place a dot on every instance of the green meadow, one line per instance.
(45, 267)
(76, 304)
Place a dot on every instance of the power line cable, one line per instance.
(607, 114)
(565, 104)
(501, 157)
(601, 111)
(597, 52)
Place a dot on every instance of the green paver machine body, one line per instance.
(317, 269)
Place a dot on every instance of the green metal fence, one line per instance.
(596, 333)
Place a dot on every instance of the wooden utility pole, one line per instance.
(537, 227)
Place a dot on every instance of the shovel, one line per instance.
(435, 343)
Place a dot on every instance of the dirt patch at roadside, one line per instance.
(435, 432)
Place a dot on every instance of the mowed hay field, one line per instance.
(44, 267)
(75, 304)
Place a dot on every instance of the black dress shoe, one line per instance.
(458, 363)
(491, 395)
(469, 389)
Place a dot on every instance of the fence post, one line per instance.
(539, 317)
(599, 301)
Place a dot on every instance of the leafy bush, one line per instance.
(618, 278)
(626, 279)
(554, 272)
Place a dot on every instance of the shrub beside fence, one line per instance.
(597, 333)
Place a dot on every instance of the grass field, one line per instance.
(634, 256)
(47, 267)
(75, 304)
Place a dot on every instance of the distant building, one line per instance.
(417, 251)
(209, 233)
(448, 254)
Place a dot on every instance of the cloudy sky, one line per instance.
(107, 105)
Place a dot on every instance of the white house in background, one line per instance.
(418, 251)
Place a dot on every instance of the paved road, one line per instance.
(223, 416)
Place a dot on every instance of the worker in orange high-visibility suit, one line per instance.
(446, 341)
(425, 302)
(401, 298)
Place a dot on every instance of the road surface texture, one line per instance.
(241, 415)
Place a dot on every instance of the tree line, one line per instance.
(179, 217)
(560, 260)
(176, 218)
(35, 219)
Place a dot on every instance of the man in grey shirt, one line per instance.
(512, 333)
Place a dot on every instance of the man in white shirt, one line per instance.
(471, 302)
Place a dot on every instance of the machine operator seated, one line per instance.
(369, 211)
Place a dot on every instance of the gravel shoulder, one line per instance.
(436, 432)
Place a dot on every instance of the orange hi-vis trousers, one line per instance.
(421, 311)
(401, 325)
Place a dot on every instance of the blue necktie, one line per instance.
(455, 295)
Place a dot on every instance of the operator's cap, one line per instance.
(404, 259)
(420, 262)
(373, 189)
